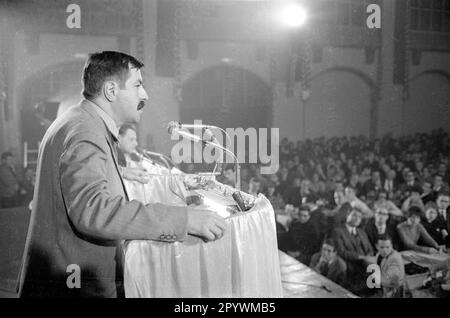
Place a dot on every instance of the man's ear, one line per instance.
(110, 89)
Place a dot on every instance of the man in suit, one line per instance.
(428, 194)
(390, 183)
(443, 205)
(439, 185)
(354, 247)
(391, 267)
(304, 235)
(81, 212)
(329, 264)
(381, 224)
(126, 145)
(410, 185)
(373, 184)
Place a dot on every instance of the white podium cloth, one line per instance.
(243, 263)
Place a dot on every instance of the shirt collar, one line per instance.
(109, 122)
(351, 230)
(379, 255)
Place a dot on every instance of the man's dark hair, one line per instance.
(6, 155)
(384, 237)
(104, 66)
(331, 242)
(304, 208)
(125, 127)
(443, 192)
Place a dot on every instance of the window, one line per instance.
(430, 15)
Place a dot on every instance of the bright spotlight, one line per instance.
(293, 15)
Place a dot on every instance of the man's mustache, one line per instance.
(141, 105)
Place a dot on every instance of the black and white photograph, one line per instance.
(224, 154)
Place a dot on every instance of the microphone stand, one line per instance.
(215, 140)
(146, 153)
(237, 170)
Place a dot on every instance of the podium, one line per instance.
(243, 263)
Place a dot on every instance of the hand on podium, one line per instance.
(206, 224)
(135, 174)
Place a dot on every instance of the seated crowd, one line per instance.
(347, 202)
(351, 202)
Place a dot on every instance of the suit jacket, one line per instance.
(444, 223)
(305, 238)
(347, 246)
(337, 270)
(434, 228)
(404, 187)
(392, 273)
(81, 212)
(372, 232)
(386, 187)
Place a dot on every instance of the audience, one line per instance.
(354, 247)
(329, 264)
(384, 202)
(383, 185)
(433, 224)
(350, 190)
(391, 268)
(443, 205)
(380, 224)
(410, 231)
(304, 235)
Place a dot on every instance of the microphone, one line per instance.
(144, 153)
(188, 126)
(173, 127)
(147, 152)
(237, 196)
(209, 136)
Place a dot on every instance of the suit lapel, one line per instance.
(332, 268)
(87, 106)
(116, 164)
(385, 262)
(362, 240)
(351, 238)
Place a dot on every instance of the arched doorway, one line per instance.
(340, 104)
(228, 97)
(429, 101)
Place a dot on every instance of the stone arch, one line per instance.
(363, 76)
(429, 100)
(227, 96)
(341, 103)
